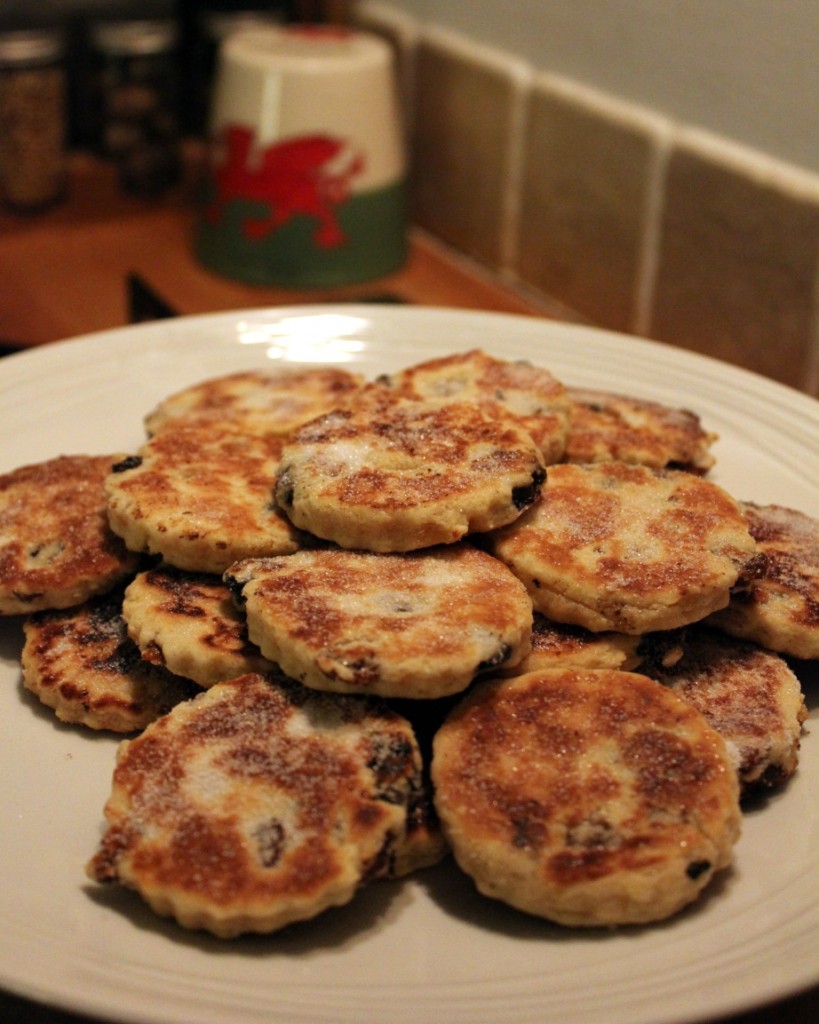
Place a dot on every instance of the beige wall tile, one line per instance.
(738, 259)
(625, 219)
(591, 174)
(467, 105)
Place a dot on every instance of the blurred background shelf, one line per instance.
(65, 271)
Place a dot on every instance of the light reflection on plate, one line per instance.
(428, 950)
(310, 338)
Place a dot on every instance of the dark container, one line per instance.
(32, 118)
(136, 91)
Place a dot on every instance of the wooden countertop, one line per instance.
(63, 272)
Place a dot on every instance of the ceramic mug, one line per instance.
(306, 176)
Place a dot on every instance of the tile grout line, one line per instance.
(649, 258)
(509, 233)
(810, 376)
(663, 136)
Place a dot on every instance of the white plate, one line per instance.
(426, 950)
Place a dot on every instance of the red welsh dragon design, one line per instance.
(308, 176)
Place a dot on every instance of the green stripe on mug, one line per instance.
(371, 242)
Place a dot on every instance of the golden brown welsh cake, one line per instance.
(80, 662)
(200, 498)
(604, 426)
(556, 645)
(779, 608)
(256, 401)
(259, 803)
(585, 796)
(397, 475)
(628, 548)
(56, 547)
(749, 695)
(418, 625)
(530, 393)
(189, 623)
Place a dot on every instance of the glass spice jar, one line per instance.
(32, 118)
(138, 96)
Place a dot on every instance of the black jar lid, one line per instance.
(142, 37)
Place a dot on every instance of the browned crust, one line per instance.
(401, 625)
(81, 663)
(395, 475)
(56, 547)
(606, 426)
(530, 393)
(779, 608)
(200, 498)
(189, 623)
(557, 644)
(749, 695)
(629, 548)
(255, 401)
(591, 797)
(230, 818)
